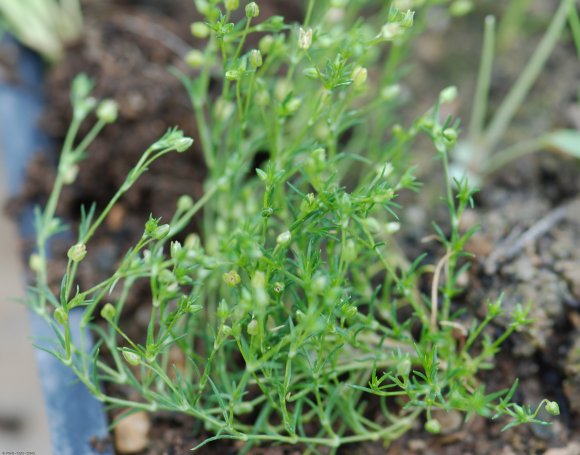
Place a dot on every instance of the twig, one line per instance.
(435, 288)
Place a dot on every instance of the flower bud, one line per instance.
(132, 358)
(161, 232)
(252, 328)
(460, 7)
(252, 10)
(407, 20)
(200, 30)
(304, 38)
(391, 31)
(69, 173)
(61, 317)
(233, 75)
(184, 203)
(278, 287)
(107, 111)
(77, 253)
(450, 134)
(223, 312)
(36, 263)
(108, 312)
(195, 58)
(181, 145)
(359, 76)
(255, 58)
(231, 5)
(433, 426)
(284, 238)
(553, 408)
(266, 44)
(448, 94)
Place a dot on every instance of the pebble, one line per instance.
(131, 433)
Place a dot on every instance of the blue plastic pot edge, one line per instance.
(75, 417)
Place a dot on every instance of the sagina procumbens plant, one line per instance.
(293, 306)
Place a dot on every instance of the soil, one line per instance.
(127, 48)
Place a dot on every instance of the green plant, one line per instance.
(477, 156)
(294, 307)
(46, 26)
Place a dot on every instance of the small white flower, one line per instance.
(304, 38)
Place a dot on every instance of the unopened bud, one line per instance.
(61, 317)
(108, 312)
(195, 58)
(132, 358)
(433, 426)
(359, 76)
(252, 10)
(284, 238)
(77, 253)
(232, 5)
(255, 58)
(252, 328)
(200, 30)
(107, 111)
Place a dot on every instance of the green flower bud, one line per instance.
(132, 358)
(460, 7)
(195, 58)
(252, 10)
(252, 328)
(255, 58)
(184, 203)
(108, 111)
(266, 44)
(359, 76)
(448, 94)
(182, 144)
(553, 408)
(278, 287)
(391, 31)
(61, 317)
(77, 253)
(200, 30)
(108, 312)
(231, 5)
(161, 232)
(36, 263)
(450, 134)
(223, 311)
(69, 173)
(293, 105)
(233, 75)
(227, 330)
(348, 311)
(433, 426)
(232, 278)
(407, 20)
(284, 238)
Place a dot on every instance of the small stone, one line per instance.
(417, 445)
(450, 421)
(131, 433)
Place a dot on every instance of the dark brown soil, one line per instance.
(127, 49)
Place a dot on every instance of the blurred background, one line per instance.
(23, 424)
